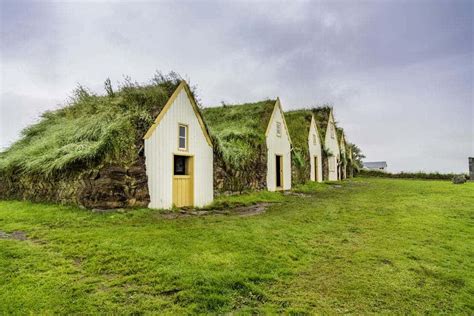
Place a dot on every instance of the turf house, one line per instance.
(252, 146)
(350, 160)
(179, 154)
(306, 156)
(330, 146)
(342, 171)
(92, 152)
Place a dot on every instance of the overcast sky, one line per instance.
(399, 73)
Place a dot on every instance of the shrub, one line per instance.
(409, 175)
(459, 179)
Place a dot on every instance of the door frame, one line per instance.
(282, 173)
(191, 168)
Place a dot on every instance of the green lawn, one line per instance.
(370, 245)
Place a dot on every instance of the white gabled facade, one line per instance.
(332, 144)
(314, 146)
(278, 144)
(343, 152)
(161, 145)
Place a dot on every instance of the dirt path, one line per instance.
(243, 211)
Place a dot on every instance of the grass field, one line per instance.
(368, 246)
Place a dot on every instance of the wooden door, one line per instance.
(315, 168)
(183, 181)
(279, 171)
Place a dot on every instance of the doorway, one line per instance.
(279, 171)
(183, 180)
(315, 168)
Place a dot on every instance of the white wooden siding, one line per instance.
(278, 146)
(163, 144)
(333, 145)
(343, 152)
(315, 150)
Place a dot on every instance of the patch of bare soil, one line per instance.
(251, 210)
(292, 193)
(243, 211)
(16, 235)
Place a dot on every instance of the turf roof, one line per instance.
(90, 130)
(339, 133)
(238, 129)
(299, 123)
(321, 114)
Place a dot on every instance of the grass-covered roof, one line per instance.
(340, 134)
(238, 129)
(321, 114)
(90, 129)
(299, 123)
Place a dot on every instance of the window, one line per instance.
(279, 129)
(180, 165)
(332, 131)
(314, 139)
(183, 137)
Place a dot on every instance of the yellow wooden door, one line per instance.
(183, 186)
(279, 172)
(315, 168)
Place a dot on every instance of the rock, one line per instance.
(459, 179)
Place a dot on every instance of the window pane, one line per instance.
(182, 131)
(182, 142)
(179, 165)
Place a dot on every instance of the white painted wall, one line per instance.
(163, 144)
(333, 145)
(315, 150)
(278, 146)
(343, 152)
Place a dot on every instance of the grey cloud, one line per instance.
(375, 61)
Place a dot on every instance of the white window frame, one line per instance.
(314, 139)
(278, 129)
(186, 136)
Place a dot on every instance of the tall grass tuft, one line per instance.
(89, 130)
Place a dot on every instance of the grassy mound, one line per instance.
(238, 129)
(299, 123)
(240, 150)
(89, 130)
(321, 115)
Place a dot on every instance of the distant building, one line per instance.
(471, 168)
(376, 165)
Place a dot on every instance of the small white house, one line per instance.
(314, 144)
(342, 146)
(179, 155)
(279, 151)
(331, 142)
(254, 146)
(305, 136)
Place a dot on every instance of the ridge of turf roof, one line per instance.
(321, 114)
(237, 129)
(89, 130)
(340, 133)
(298, 121)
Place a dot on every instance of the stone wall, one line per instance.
(251, 177)
(107, 186)
(300, 174)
